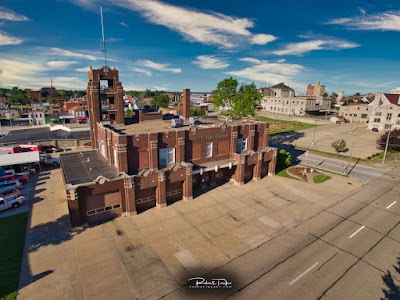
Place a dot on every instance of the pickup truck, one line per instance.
(11, 201)
(49, 160)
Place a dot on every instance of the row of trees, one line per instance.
(237, 100)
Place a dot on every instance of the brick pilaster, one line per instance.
(130, 199)
(153, 151)
(188, 184)
(272, 163)
(161, 191)
(257, 167)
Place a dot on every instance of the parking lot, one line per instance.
(360, 141)
(154, 253)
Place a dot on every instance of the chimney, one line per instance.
(186, 103)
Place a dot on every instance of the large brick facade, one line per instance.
(158, 165)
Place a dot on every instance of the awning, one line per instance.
(19, 158)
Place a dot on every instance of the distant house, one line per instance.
(3, 104)
(9, 113)
(38, 117)
(385, 112)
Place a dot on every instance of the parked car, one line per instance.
(22, 178)
(50, 149)
(88, 145)
(11, 201)
(8, 188)
(49, 160)
(12, 172)
(343, 150)
(7, 178)
(16, 184)
(375, 129)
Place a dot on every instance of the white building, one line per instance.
(281, 99)
(395, 91)
(385, 111)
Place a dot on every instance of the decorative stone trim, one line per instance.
(153, 144)
(252, 132)
(181, 141)
(161, 176)
(235, 134)
(121, 148)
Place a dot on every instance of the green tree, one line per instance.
(128, 114)
(247, 100)
(284, 159)
(225, 93)
(339, 145)
(242, 102)
(161, 100)
(394, 140)
(197, 112)
(325, 94)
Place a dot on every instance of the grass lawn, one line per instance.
(321, 178)
(279, 126)
(283, 173)
(12, 240)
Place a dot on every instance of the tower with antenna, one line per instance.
(105, 95)
(103, 41)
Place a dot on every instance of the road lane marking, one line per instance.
(391, 205)
(127, 233)
(362, 227)
(304, 273)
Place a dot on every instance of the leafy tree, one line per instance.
(225, 93)
(161, 100)
(284, 159)
(197, 112)
(394, 140)
(247, 100)
(242, 102)
(357, 94)
(128, 114)
(339, 145)
(325, 94)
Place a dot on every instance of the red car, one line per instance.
(22, 178)
(88, 145)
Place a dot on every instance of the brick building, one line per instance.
(152, 164)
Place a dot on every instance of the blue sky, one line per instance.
(174, 44)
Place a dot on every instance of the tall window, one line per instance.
(389, 116)
(166, 156)
(209, 147)
(241, 145)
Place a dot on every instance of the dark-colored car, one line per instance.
(375, 129)
(343, 150)
(50, 149)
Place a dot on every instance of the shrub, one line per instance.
(284, 159)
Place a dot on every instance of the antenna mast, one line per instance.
(103, 41)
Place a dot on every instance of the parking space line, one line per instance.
(304, 273)
(358, 230)
(129, 237)
(391, 205)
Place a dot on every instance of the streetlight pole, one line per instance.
(387, 144)
(315, 128)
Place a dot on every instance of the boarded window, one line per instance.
(196, 151)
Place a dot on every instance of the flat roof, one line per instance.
(166, 125)
(19, 158)
(86, 166)
(22, 136)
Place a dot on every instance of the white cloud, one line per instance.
(208, 28)
(67, 53)
(142, 71)
(210, 62)
(6, 39)
(9, 15)
(123, 24)
(82, 70)
(28, 73)
(157, 66)
(320, 44)
(261, 70)
(60, 64)
(113, 40)
(262, 39)
(160, 87)
(387, 21)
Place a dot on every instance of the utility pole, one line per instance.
(315, 128)
(387, 144)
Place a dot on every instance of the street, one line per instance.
(348, 251)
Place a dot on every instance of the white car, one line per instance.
(11, 201)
